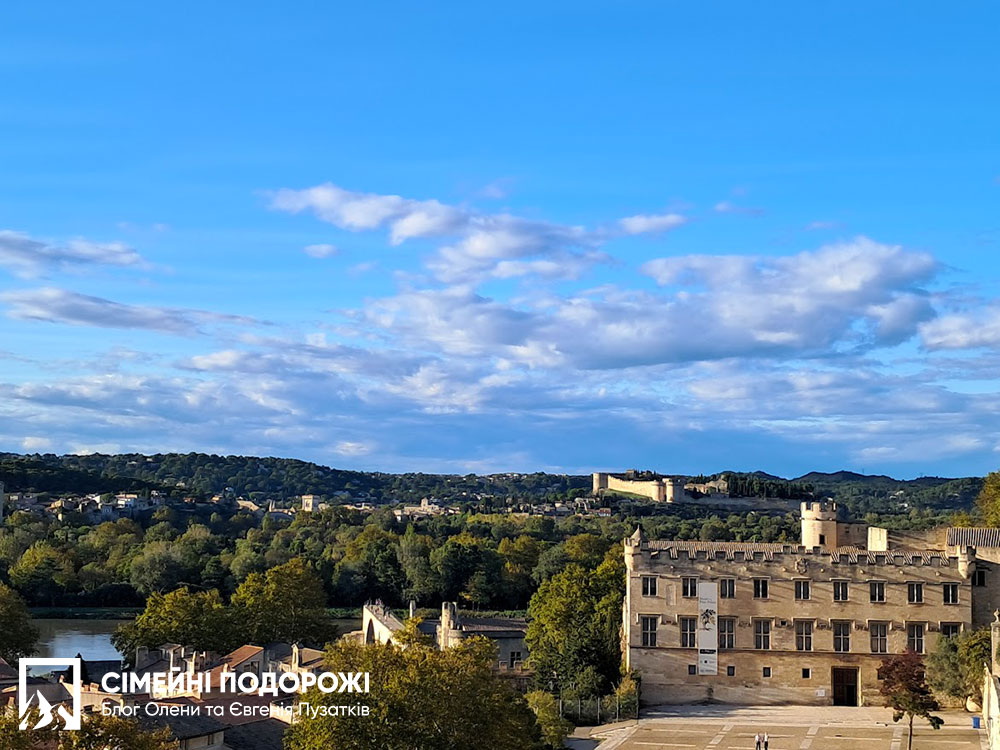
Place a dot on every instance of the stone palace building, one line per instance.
(745, 622)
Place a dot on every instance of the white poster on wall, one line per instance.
(708, 627)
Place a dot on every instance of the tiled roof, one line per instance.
(233, 659)
(767, 549)
(494, 625)
(973, 537)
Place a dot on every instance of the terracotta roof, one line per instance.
(231, 660)
(973, 537)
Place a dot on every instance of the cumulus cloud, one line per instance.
(643, 223)
(841, 297)
(27, 256)
(969, 330)
(477, 246)
(54, 305)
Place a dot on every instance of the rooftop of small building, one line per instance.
(973, 536)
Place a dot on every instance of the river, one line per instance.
(66, 638)
(92, 638)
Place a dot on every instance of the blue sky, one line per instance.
(561, 236)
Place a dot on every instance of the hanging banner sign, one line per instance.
(708, 627)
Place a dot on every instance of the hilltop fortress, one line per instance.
(665, 489)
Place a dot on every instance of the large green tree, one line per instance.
(287, 603)
(420, 698)
(17, 635)
(42, 572)
(575, 622)
(988, 501)
(199, 619)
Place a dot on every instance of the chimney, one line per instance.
(295, 656)
(413, 608)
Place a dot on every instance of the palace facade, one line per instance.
(743, 622)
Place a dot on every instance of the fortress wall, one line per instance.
(653, 489)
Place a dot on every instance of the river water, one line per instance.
(92, 638)
(63, 639)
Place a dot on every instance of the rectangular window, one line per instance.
(727, 632)
(692, 669)
(915, 593)
(879, 637)
(979, 577)
(727, 588)
(876, 591)
(806, 673)
(915, 637)
(803, 635)
(689, 625)
(950, 629)
(760, 588)
(730, 671)
(801, 590)
(515, 657)
(762, 634)
(840, 593)
(648, 586)
(689, 587)
(841, 636)
(766, 672)
(951, 593)
(649, 631)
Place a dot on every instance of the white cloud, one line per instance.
(836, 299)
(36, 444)
(53, 305)
(969, 330)
(320, 251)
(479, 243)
(31, 257)
(353, 448)
(643, 223)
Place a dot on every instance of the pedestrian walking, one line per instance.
(765, 740)
(756, 741)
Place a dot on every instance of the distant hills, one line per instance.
(204, 474)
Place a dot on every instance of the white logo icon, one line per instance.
(33, 697)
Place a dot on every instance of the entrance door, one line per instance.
(845, 686)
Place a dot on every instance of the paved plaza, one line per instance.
(789, 728)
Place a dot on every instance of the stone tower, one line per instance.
(819, 524)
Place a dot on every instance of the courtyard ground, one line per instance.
(717, 727)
